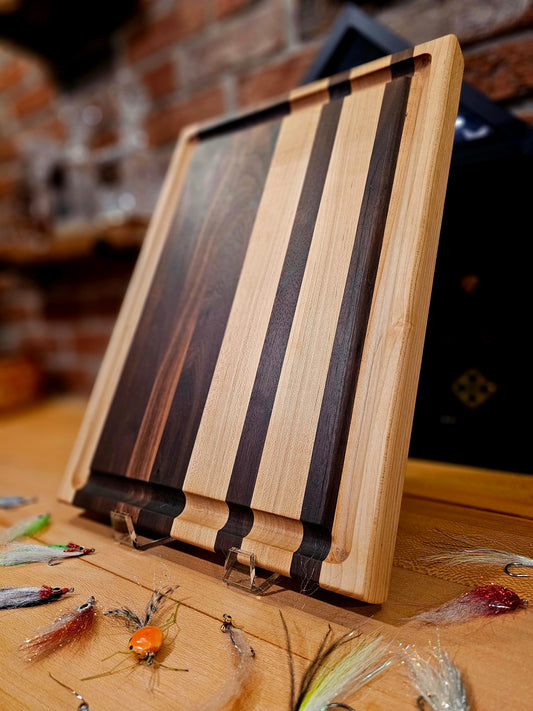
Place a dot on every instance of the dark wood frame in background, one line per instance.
(259, 385)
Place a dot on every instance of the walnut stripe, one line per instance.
(254, 430)
(218, 436)
(318, 508)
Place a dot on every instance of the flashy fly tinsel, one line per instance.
(68, 628)
(28, 597)
(438, 680)
(236, 682)
(486, 600)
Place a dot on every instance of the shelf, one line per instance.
(76, 241)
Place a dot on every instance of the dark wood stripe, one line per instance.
(339, 89)
(160, 315)
(250, 449)
(157, 505)
(224, 182)
(232, 225)
(320, 499)
(269, 113)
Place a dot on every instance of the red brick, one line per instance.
(34, 100)
(315, 17)
(274, 79)
(420, 20)
(94, 340)
(255, 34)
(166, 124)
(227, 7)
(77, 380)
(8, 186)
(102, 139)
(502, 71)
(54, 128)
(8, 150)
(150, 36)
(11, 74)
(161, 80)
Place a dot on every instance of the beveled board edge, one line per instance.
(442, 98)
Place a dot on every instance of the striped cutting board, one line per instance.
(259, 386)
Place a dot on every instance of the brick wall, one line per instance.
(197, 59)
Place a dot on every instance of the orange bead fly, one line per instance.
(147, 639)
(147, 642)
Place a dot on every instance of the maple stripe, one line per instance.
(241, 486)
(318, 508)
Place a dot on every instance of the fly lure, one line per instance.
(11, 598)
(327, 677)
(438, 681)
(13, 502)
(235, 684)
(25, 529)
(68, 628)
(147, 639)
(20, 553)
(483, 601)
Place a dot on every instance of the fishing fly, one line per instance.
(439, 682)
(483, 601)
(235, 684)
(26, 528)
(11, 598)
(67, 628)
(327, 677)
(13, 502)
(18, 553)
(488, 556)
(83, 706)
(147, 639)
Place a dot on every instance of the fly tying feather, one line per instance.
(488, 556)
(482, 555)
(68, 628)
(19, 553)
(235, 684)
(439, 681)
(11, 598)
(327, 677)
(26, 528)
(486, 600)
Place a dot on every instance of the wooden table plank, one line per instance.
(34, 447)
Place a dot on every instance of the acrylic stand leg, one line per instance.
(124, 531)
(234, 567)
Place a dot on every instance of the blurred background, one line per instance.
(92, 98)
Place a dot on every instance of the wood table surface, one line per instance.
(480, 506)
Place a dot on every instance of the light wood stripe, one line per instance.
(318, 506)
(218, 437)
(367, 510)
(282, 475)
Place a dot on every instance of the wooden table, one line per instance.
(485, 507)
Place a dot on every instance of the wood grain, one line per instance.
(490, 653)
(266, 394)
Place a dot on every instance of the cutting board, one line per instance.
(259, 386)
